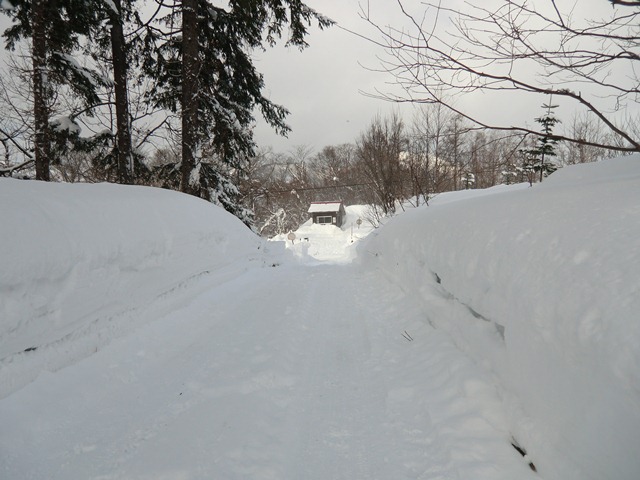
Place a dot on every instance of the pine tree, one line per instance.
(55, 29)
(110, 45)
(116, 16)
(41, 92)
(190, 91)
(204, 71)
(546, 142)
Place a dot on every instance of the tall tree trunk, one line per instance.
(123, 136)
(189, 91)
(39, 79)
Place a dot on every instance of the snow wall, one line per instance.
(77, 254)
(541, 285)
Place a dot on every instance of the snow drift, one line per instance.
(78, 255)
(541, 285)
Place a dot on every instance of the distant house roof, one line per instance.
(316, 207)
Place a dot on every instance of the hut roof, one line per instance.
(317, 207)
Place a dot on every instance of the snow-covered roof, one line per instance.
(316, 207)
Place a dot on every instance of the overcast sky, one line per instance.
(322, 85)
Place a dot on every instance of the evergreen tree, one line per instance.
(204, 71)
(55, 29)
(546, 142)
(110, 44)
(119, 54)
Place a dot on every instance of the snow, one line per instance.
(78, 260)
(327, 243)
(165, 340)
(90, 76)
(316, 207)
(543, 286)
(64, 123)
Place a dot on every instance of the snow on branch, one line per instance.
(93, 78)
(64, 123)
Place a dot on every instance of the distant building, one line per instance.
(327, 213)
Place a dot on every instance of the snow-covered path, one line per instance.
(284, 373)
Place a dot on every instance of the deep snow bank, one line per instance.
(77, 254)
(542, 285)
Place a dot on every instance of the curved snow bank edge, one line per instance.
(556, 266)
(77, 254)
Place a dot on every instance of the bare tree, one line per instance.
(16, 124)
(337, 175)
(278, 189)
(378, 151)
(455, 150)
(582, 126)
(429, 130)
(485, 159)
(522, 47)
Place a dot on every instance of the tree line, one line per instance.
(394, 164)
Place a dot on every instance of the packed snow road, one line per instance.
(295, 372)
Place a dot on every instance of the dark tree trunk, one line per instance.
(189, 90)
(40, 107)
(123, 136)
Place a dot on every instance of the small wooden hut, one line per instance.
(327, 213)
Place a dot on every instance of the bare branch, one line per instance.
(12, 139)
(625, 3)
(8, 171)
(517, 48)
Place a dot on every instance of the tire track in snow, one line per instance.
(287, 373)
(358, 416)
